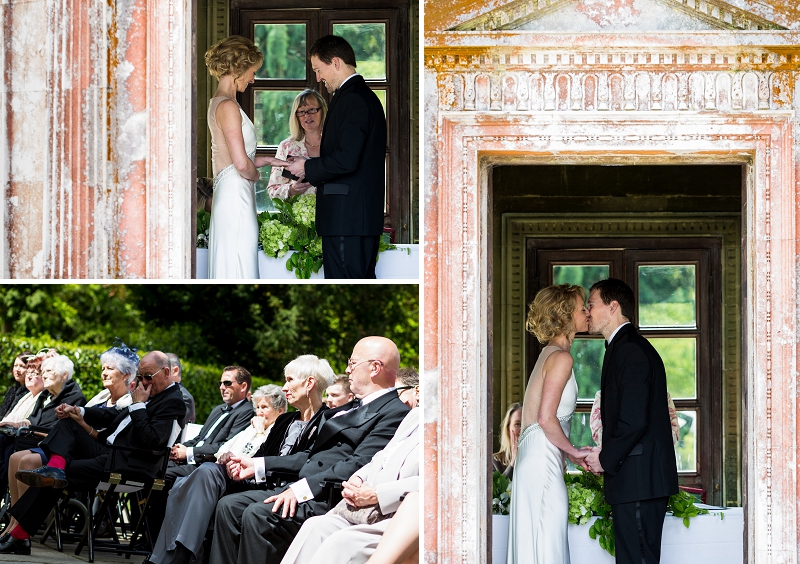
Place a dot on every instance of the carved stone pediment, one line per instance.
(617, 15)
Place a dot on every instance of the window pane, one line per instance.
(369, 43)
(381, 94)
(284, 48)
(686, 449)
(667, 296)
(588, 355)
(580, 275)
(263, 201)
(272, 109)
(680, 362)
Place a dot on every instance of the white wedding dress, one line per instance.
(537, 532)
(233, 234)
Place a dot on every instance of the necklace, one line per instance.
(311, 144)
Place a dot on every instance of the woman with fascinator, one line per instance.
(119, 366)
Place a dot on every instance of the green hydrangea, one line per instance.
(304, 210)
(275, 237)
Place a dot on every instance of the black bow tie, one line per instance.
(356, 403)
(226, 408)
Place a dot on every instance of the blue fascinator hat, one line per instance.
(123, 350)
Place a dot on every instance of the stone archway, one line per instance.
(476, 86)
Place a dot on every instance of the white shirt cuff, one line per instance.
(138, 405)
(301, 491)
(83, 412)
(261, 470)
(190, 455)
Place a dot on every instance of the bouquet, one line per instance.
(292, 228)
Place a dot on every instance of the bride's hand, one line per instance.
(263, 160)
(579, 458)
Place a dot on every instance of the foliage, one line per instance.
(261, 327)
(501, 494)
(682, 506)
(586, 499)
(203, 224)
(292, 228)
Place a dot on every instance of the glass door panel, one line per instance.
(271, 110)
(284, 48)
(680, 361)
(368, 40)
(580, 274)
(686, 449)
(667, 296)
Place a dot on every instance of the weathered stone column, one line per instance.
(96, 163)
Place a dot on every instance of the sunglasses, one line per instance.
(149, 377)
(401, 389)
(226, 383)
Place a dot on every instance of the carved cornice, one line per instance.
(580, 81)
(716, 13)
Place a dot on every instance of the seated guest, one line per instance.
(190, 506)
(17, 389)
(80, 460)
(119, 365)
(339, 392)
(269, 402)
(408, 387)
(351, 531)
(257, 525)
(177, 376)
(503, 460)
(224, 421)
(18, 417)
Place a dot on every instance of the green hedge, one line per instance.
(201, 380)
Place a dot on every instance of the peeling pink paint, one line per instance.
(609, 13)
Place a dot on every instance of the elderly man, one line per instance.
(351, 531)
(80, 459)
(257, 526)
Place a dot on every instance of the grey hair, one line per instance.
(61, 365)
(121, 363)
(408, 376)
(272, 393)
(307, 365)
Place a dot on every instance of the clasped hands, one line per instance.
(587, 458)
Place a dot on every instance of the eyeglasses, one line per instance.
(402, 389)
(353, 362)
(311, 112)
(226, 383)
(149, 377)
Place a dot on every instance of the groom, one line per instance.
(350, 171)
(637, 457)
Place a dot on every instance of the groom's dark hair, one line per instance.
(611, 290)
(329, 46)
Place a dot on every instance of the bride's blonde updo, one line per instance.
(233, 55)
(550, 312)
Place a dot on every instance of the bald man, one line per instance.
(258, 526)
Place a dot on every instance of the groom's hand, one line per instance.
(593, 461)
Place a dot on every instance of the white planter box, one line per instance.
(397, 264)
(709, 539)
(275, 268)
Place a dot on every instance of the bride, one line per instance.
(539, 504)
(233, 234)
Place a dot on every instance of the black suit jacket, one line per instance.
(235, 421)
(638, 456)
(350, 173)
(272, 446)
(149, 429)
(345, 443)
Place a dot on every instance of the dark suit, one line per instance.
(87, 459)
(350, 178)
(188, 399)
(638, 457)
(246, 530)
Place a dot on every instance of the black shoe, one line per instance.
(15, 546)
(4, 537)
(43, 477)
